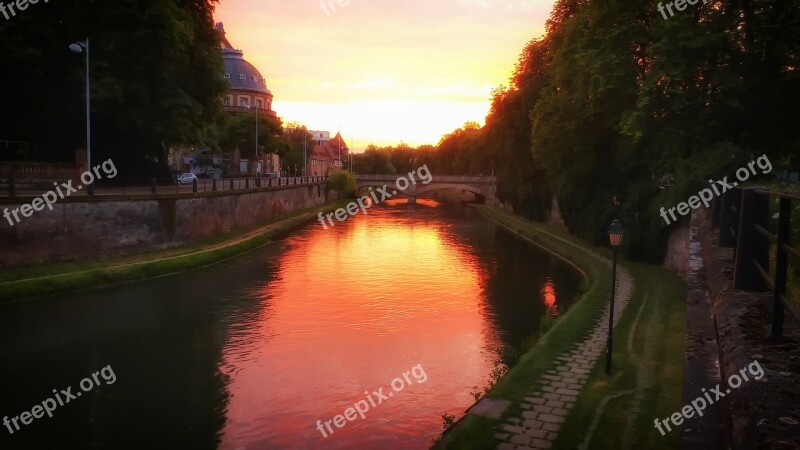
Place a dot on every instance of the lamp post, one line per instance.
(615, 237)
(83, 47)
(258, 156)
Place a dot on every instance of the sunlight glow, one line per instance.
(384, 71)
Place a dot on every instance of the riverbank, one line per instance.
(43, 280)
(646, 381)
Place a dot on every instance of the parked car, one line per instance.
(187, 178)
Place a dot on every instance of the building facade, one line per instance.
(327, 154)
(247, 94)
(248, 88)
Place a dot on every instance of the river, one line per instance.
(253, 352)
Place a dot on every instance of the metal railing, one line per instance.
(198, 185)
(27, 170)
(439, 178)
(743, 217)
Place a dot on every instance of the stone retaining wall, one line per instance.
(81, 227)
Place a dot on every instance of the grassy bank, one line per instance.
(647, 375)
(659, 295)
(38, 281)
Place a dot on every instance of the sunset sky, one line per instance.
(383, 71)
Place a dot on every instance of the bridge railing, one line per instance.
(745, 222)
(439, 178)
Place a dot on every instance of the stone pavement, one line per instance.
(553, 396)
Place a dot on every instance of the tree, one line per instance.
(295, 136)
(343, 182)
(155, 70)
(239, 129)
(374, 161)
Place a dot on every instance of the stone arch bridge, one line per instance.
(484, 188)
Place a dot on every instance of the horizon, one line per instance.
(404, 89)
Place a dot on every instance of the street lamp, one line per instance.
(305, 138)
(258, 156)
(80, 47)
(615, 238)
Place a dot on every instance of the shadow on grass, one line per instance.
(647, 380)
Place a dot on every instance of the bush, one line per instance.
(343, 182)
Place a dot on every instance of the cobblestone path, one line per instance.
(552, 397)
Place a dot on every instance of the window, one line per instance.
(227, 100)
(242, 76)
(244, 101)
(227, 76)
(258, 104)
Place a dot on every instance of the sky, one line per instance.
(383, 71)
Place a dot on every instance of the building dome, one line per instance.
(240, 74)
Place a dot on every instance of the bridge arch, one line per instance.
(482, 187)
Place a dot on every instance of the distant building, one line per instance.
(327, 154)
(247, 87)
(320, 136)
(248, 94)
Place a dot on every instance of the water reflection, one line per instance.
(252, 352)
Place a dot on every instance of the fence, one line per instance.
(745, 223)
(198, 185)
(221, 184)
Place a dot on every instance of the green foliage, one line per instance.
(448, 420)
(239, 129)
(294, 136)
(374, 161)
(614, 99)
(634, 99)
(343, 182)
(155, 69)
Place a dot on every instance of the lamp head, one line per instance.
(76, 47)
(615, 233)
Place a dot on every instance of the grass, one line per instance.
(647, 371)
(657, 371)
(39, 281)
(478, 432)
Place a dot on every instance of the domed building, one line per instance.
(247, 87)
(247, 94)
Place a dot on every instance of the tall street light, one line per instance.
(258, 156)
(615, 237)
(83, 47)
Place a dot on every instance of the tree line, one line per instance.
(616, 112)
(156, 70)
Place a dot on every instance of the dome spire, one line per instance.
(224, 42)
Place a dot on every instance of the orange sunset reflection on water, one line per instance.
(351, 308)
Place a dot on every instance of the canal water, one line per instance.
(402, 311)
